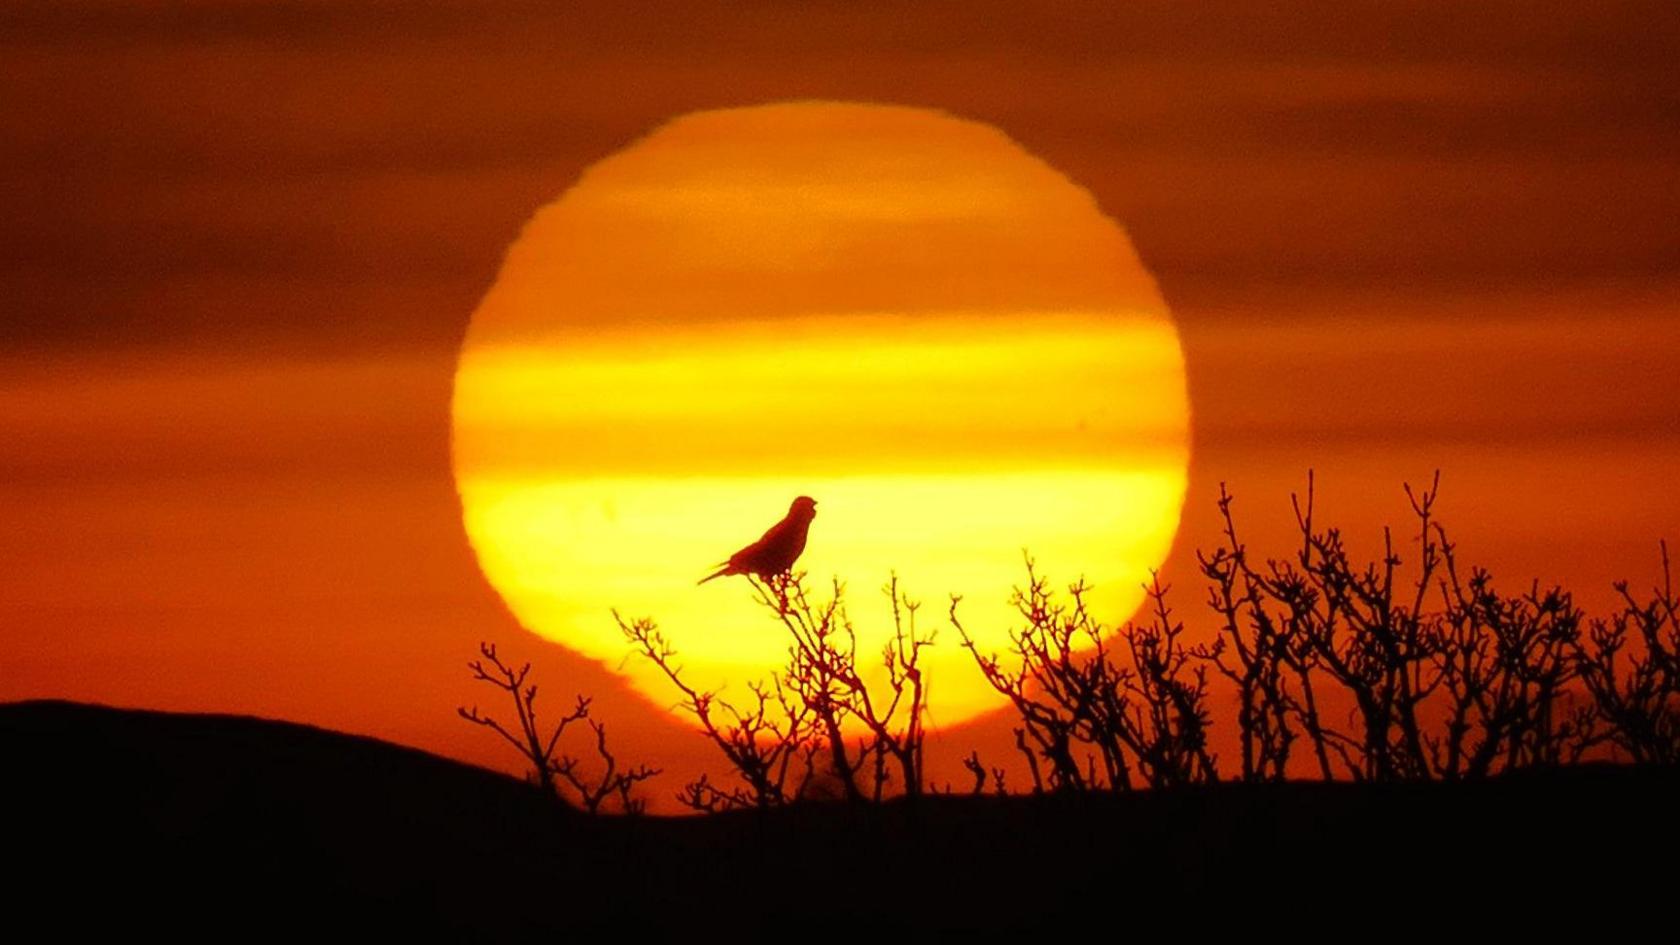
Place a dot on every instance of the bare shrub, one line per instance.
(1263, 650)
(1630, 664)
(549, 770)
(767, 741)
(981, 774)
(1447, 677)
(1405, 667)
(1505, 665)
(805, 710)
(1081, 707)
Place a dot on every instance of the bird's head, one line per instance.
(803, 507)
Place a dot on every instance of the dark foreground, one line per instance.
(235, 827)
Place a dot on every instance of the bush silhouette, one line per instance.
(1077, 700)
(1630, 664)
(792, 735)
(551, 771)
(1337, 669)
(1447, 676)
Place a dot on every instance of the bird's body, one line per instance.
(777, 550)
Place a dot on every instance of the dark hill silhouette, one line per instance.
(134, 820)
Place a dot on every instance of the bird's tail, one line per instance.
(720, 572)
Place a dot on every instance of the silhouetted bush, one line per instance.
(550, 770)
(982, 774)
(1631, 666)
(1381, 670)
(1447, 676)
(795, 726)
(1506, 666)
(770, 744)
(1080, 704)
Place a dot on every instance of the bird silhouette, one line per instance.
(780, 547)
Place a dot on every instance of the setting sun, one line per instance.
(901, 313)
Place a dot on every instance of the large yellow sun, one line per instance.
(898, 312)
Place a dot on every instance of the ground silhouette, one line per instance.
(138, 820)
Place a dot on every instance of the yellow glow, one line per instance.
(900, 313)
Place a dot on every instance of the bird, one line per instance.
(775, 553)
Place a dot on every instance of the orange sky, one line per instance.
(243, 242)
